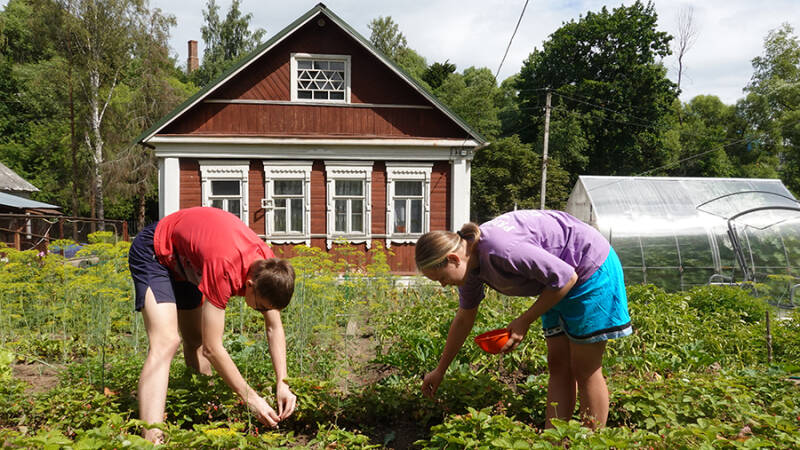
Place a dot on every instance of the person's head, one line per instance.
(445, 256)
(270, 284)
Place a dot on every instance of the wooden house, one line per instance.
(317, 138)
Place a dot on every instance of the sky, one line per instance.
(729, 33)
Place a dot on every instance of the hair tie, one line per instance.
(461, 235)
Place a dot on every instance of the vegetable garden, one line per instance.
(696, 373)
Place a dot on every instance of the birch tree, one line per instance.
(101, 32)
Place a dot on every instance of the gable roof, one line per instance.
(10, 181)
(320, 8)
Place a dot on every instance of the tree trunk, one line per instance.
(95, 142)
(141, 212)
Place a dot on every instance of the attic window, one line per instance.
(320, 78)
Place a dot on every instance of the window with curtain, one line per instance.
(408, 200)
(226, 195)
(289, 212)
(224, 186)
(348, 200)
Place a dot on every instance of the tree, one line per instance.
(386, 36)
(473, 96)
(604, 68)
(687, 36)
(772, 105)
(703, 137)
(102, 34)
(437, 73)
(506, 175)
(154, 85)
(226, 41)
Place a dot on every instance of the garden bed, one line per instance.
(694, 374)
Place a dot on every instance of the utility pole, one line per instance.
(544, 146)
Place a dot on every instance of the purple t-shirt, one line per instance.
(523, 252)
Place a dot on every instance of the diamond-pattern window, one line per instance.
(321, 79)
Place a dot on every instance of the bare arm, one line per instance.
(277, 350)
(459, 330)
(213, 329)
(547, 299)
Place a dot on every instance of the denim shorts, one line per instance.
(147, 272)
(595, 310)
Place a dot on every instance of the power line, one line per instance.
(511, 40)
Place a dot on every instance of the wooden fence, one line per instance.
(34, 231)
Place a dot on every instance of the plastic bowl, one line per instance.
(492, 341)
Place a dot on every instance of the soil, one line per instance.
(40, 377)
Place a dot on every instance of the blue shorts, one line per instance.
(147, 272)
(595, 310)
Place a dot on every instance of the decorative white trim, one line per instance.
(460, 192)
(169, 186)
(293, 75)
(447, 146)
(287, 170)
(349, 170)
(294, 150)
(226, 170)
(407, 172)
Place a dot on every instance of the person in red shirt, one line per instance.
(185, 268)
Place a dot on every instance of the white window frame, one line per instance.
(407, 172)
(287, 170)
(293, 70)
(349, 170)
(216, 170)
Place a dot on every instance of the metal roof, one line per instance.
(23, 203)
(10, 181)
(280, 36)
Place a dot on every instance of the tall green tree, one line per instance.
(226, 40)
(153, 86)
(506, 175)
(385, 35)
(772, 104)
(704, 134)
(85, 78)
(437, 73)
(605, 70)
(473, 95)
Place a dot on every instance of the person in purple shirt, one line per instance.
(574, 272)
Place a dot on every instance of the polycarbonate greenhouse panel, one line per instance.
(673, 232)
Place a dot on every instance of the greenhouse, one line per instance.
(682, 232)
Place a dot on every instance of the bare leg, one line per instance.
(190, 321)
(161, 322)
(561, 385)
(587, 366)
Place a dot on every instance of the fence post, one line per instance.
(17, 236)
(125, 231)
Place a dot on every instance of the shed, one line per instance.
(11, 183)
(683, 232)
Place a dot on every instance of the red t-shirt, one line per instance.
(210, 248)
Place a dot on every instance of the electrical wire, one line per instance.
(511, 40)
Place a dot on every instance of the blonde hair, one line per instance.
(433, 247)
(273, 279)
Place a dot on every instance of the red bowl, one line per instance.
(493, 341)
